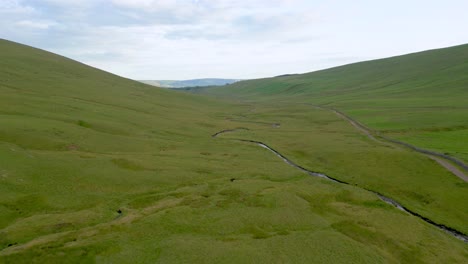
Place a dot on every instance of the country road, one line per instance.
(443, 159)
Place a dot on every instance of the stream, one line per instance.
(385, 199)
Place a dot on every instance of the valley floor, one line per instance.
(231, 201)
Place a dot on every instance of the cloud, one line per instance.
(71, 3)
(177, 39)
(40, 24)
(152, 4)
(15, 7)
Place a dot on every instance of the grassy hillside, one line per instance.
(98, 168)
(420, 98)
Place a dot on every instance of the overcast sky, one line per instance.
(184, 39)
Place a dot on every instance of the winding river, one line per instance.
(385, 199)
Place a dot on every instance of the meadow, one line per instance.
(95, 168)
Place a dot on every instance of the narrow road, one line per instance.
(449, 166)
(359, 126)
(443, 159)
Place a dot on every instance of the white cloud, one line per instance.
(176, 39)
(38, 24)
(153, 4)
(15, 7)
(72, 3)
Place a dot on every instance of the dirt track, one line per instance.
(449, 166)
(444, 160)
(355, 124)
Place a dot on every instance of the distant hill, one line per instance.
(190, 83)
(435, 75)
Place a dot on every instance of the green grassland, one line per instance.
(421, 98)
(98, 168)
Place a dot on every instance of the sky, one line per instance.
(243, 39)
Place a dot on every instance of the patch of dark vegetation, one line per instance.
(230, 155)
(258, 233)
(83, 124)
(203, 124)
(376, 204)
(283, 233)
(425, 199)
(128, 165)
(232, 179)
(300, 153)
(204, 171)
(28, 205)
(345, 196)
(462, 184)
(319, 204)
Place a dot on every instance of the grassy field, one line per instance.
(319, 141)
(420, 98)
(98, 168)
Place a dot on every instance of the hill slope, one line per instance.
(420, 98)
(98, 168)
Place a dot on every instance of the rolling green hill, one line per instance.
(420, 98)
(98, 168)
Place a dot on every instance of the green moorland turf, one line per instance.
(421, 98)
(97, 168)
